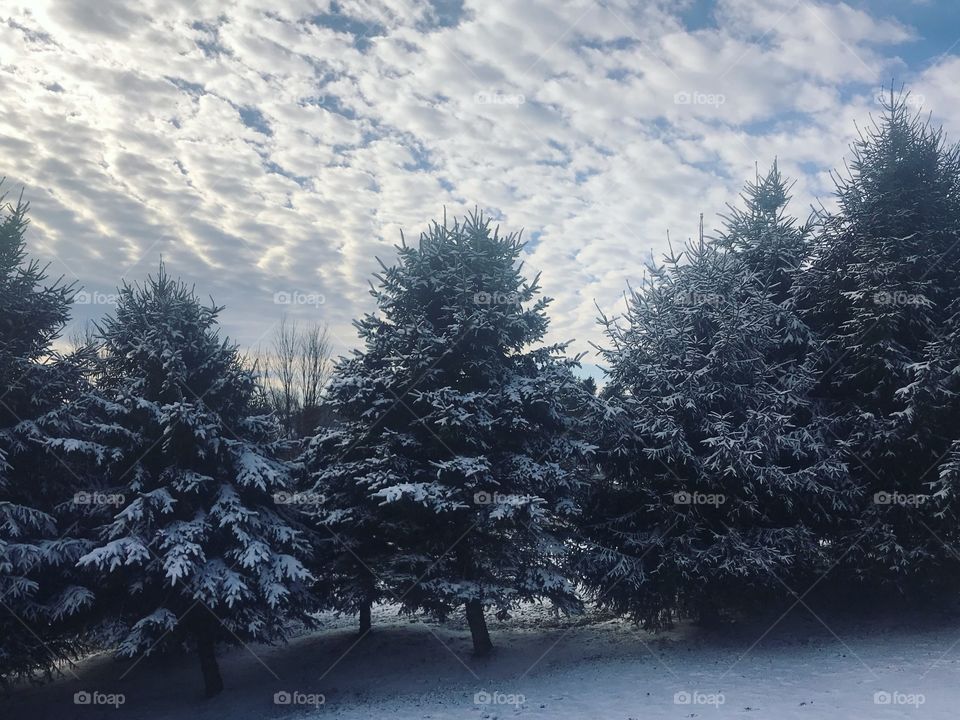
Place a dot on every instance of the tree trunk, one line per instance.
(365, 622)
(478, 628)
(206, 649)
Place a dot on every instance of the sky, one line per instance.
(269, 153)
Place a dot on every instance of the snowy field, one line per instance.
(544, 667)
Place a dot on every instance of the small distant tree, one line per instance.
(82, 337)
(295, 372)
(590, 385)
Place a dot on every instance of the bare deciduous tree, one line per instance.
(295, 371)
(82, 336)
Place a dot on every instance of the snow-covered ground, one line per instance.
(544, 667)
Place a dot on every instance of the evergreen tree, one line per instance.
(197, 549)
(590, 385)
(762, 234)
(933, 409)
(766, 240)
(450, 479)
(38, 592)
(715, 472)
(878, 292)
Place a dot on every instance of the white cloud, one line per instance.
(282, 147)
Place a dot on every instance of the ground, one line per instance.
(594, 666)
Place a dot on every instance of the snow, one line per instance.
(560, 668)
(115, 553)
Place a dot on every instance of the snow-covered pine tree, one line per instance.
(878, 292)
(342, 467)
(766, 239)
(712, 475)
(38, 592)
(761, 233)
(200, 548)
(449, 480)
(933, 407)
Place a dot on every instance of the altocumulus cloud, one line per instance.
(270, 151)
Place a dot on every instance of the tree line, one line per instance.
(780, 414)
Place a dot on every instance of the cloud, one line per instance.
(280, 148)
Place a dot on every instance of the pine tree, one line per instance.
(878, 292)
(762, 234)
(450, 478)
(38, 593)
(199, 547)
(714, 471)
(933, 409)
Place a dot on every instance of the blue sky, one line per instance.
(269, 152)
